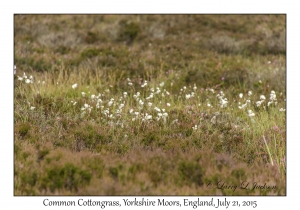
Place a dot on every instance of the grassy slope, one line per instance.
(61, 150)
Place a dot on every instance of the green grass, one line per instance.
(78, 141)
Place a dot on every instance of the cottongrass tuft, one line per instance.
(251, 113)
(74, 86)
